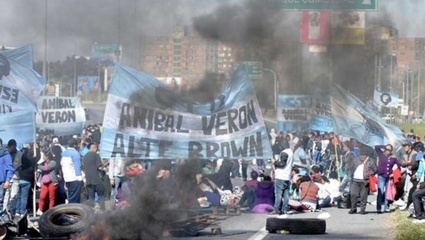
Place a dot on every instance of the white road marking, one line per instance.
(259, 235)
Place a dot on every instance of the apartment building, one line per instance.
(186, 55)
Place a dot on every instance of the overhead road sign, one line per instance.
(254, 69)
(326, 5)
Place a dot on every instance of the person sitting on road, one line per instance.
(323, 196)
(308, 195)
(264, 196)
(249, 191)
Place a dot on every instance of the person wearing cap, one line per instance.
(6, 170)
(71, 169)
(55, 142)
(361, 169)
(411, 165)
(385, 171)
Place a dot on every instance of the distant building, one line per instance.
(187, 56)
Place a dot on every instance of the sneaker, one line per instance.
(290, 212)
(273, 213)
(244, 208)
(387, 210)
(405, 209)
(39, 212)
(283, 216)
(399, 202)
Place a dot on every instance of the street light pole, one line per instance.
(275, 86)
(74, 90)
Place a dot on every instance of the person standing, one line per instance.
(385, 171)
(12, 193)
(281, 168)
(361, 169)
(116, 175)
(412, 166)
(71, 170)
(49, 182)
(26, 177)
(349, 159)
(92, 167)
(6, 170)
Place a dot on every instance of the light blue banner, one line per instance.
(352, 118)
(19, 126)
(294, 113)
(147, 120)
(20, 85)
(322, 119)
(22, 55)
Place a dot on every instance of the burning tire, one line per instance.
(296, 225)
(65, 220)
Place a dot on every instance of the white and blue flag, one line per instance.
(352, 118)
(385, 99)
(147, 120)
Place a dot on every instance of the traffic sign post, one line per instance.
(254, 69)
(325, 5)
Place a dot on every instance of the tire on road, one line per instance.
(296, 225)
(51, 223)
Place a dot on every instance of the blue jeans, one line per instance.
(382, 189)
(317, 156)
(118, 183)
(1, 196)
(74, 191)
(22, 198)
(281, 189)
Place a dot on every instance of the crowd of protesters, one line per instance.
(309, 171)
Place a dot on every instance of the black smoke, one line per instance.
(153, 206)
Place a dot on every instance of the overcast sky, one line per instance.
(74, 25)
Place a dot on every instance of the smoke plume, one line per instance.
(153, 205)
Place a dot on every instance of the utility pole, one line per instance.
(275, 86)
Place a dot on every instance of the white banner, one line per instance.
(60, 116)
(146, 120)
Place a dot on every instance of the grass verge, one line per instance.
(405, 229)
(418, 128)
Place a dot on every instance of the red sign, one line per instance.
(315, 28)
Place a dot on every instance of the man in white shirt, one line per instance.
(116, 175)
(281, 168)
(362, 169)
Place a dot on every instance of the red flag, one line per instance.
(315, 28)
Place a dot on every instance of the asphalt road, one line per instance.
(339, 225)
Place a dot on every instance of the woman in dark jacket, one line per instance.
(26, 177)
